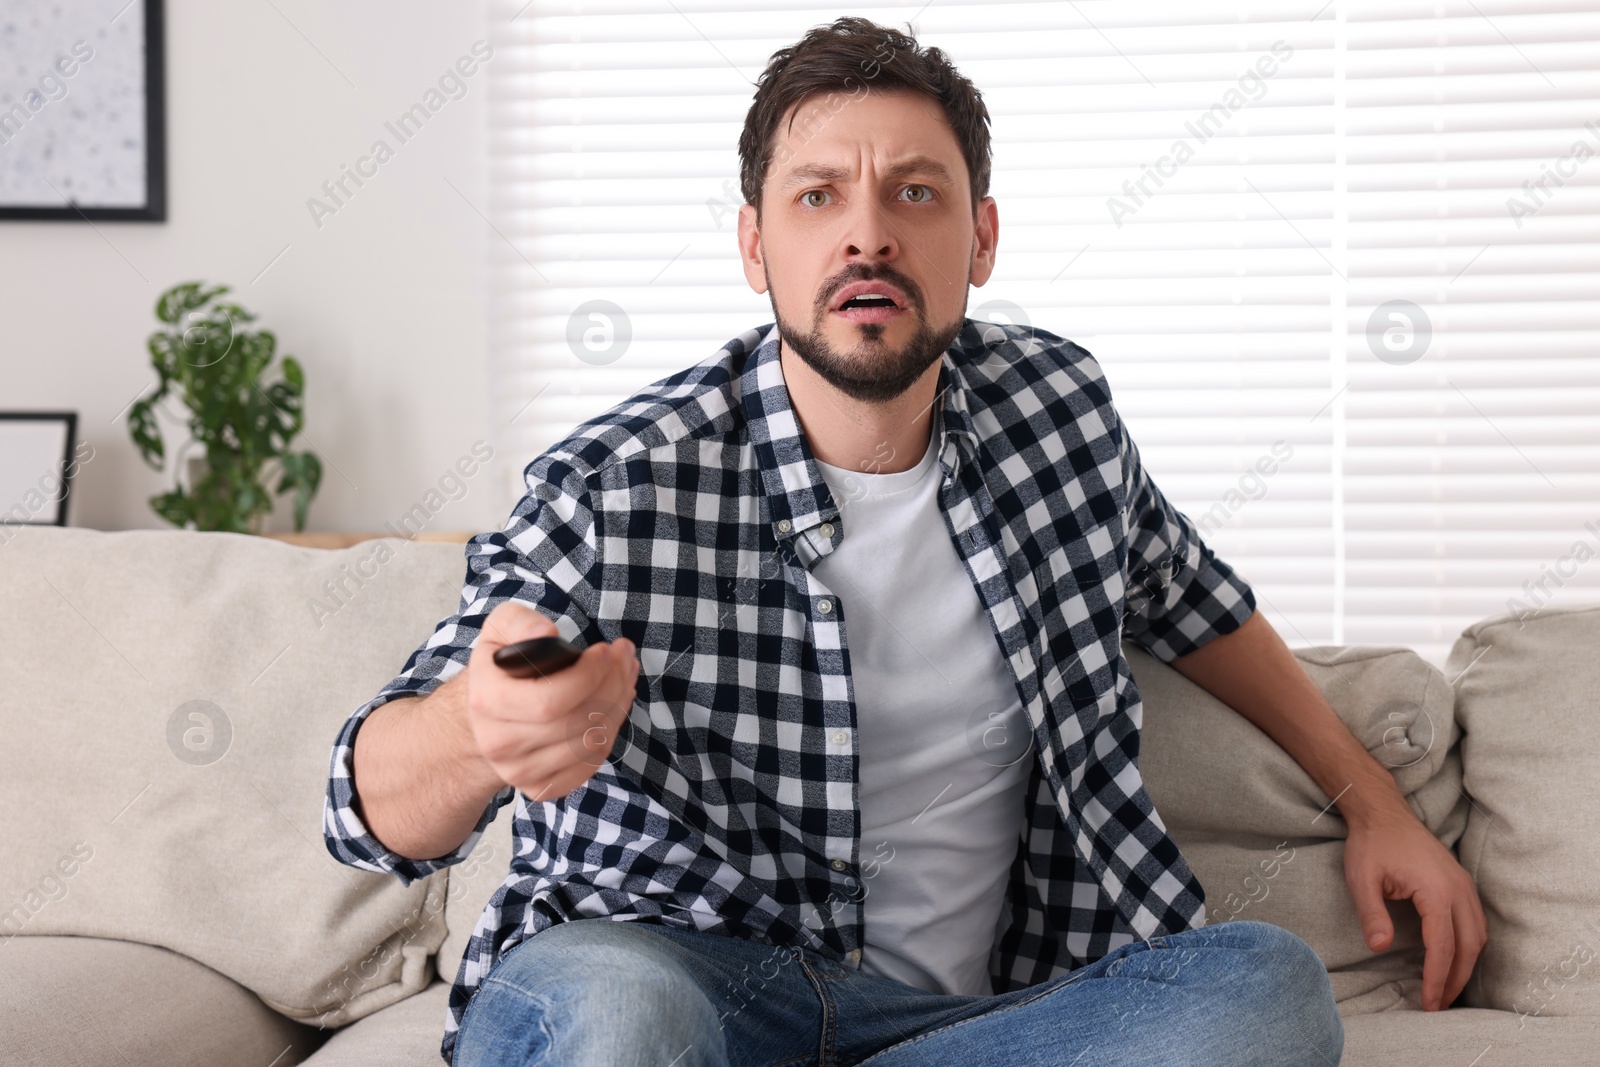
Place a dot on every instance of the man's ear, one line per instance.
(985, 236)
(755, 268)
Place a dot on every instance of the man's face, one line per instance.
(868, 191)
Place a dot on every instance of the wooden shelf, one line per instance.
(345, 540)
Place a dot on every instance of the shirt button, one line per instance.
(827, 530)
(840, 737)
(839, 865)
(825, 605)
(784, 525)
(855, 955)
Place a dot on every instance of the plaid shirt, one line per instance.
(687, 519)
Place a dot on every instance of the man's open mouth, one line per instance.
(878, 303)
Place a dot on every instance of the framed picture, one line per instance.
(82, 103)
(38, 457)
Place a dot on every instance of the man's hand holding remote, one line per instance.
(546, 736)
(425, 768)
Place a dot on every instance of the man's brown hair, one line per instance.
(846, 60)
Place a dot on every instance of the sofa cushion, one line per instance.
(1528, 699)
(1466, 1037)
(1252, 823)
(172, 698)
(89, 1002)
(406, 1034)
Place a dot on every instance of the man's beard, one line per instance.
(871, 372)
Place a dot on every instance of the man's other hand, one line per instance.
(1395, 857)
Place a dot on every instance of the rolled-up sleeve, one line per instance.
(546, 556)
(1180, 595)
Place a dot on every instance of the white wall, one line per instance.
(384, 304)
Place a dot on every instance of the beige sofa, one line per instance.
(170, 699)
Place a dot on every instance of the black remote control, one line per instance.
(537, 658)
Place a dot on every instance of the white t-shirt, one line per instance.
(945, 749)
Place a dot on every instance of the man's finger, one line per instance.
(515, 621)
(595, 694)
(1439, 944)
(1477, 909)
(1466, 952)
(591, 734)
(587, 679)
(1375, 925)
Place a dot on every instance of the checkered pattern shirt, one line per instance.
(688, 519)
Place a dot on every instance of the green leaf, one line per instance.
(178, 301)
(163, 356)
(232, 312)
(146, 433)
(174, 507)
(302, 472)
(171, 304)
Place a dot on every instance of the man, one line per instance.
(847, 770)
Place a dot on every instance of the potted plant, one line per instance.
(243, 421)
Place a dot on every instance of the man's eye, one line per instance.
(924, 190)
(810, 193)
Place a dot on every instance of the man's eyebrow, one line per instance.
(923, 166)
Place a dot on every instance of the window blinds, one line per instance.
(1339, 261)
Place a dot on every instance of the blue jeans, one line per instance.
(621, 993)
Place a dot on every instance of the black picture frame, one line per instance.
(155, 141)
(65, 472)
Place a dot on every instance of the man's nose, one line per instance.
(869, 233)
